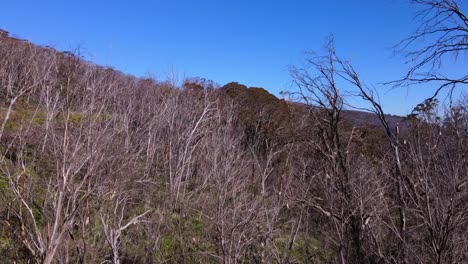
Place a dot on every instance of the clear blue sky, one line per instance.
(251, 42)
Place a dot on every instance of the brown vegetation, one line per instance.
(101, 167)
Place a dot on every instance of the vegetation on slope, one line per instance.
(97, 166)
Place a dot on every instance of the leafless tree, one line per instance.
(393, 135)
(425, 184)
(318, 83)
(23, 68)
(113, 223)
(78, 135)
(441, 36)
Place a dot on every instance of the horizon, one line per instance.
(249, 43)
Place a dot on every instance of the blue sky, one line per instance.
(251, 42)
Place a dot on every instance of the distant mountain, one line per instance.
(361, 118)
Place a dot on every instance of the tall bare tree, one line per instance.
(319, 84)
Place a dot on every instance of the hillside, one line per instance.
(358, 118)
(98, 166)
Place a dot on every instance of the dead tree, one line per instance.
(78, 136)
(112, 218)
(425, 184)
(318, 84)
(440, 37)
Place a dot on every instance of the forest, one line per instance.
(98, 166)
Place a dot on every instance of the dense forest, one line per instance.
(97, 166)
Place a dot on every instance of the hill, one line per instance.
(99, 166)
